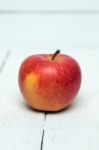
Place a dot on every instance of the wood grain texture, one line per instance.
(77, 127)
(20, 127)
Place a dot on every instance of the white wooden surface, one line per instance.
(78, 126)
(20, 127)
(74, 128)
(49, 5)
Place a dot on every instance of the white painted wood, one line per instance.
(49, 32)
(49, 5)
(77, 127)
(20, 127)
(74, 128)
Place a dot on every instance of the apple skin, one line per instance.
(49, 85)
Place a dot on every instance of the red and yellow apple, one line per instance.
(49, 82)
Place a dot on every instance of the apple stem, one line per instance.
(55, 54)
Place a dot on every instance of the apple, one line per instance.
(49, 82)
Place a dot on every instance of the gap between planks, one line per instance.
(54, 12)
(43, 133)
(4, 60)
(7, 55)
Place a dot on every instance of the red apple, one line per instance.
(49, 82)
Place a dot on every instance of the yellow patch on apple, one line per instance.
(30, 84)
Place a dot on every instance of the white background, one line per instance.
(49, 5)
(44, 24)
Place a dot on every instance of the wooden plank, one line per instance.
(49, 5)
(78, 126)
(20, 127)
